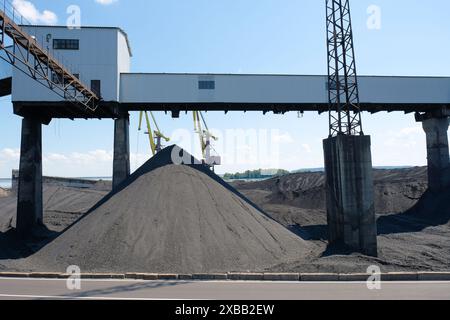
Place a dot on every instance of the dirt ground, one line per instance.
(413, 225)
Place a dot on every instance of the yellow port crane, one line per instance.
(205, 139)
(155, 136)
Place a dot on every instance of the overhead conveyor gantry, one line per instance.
(276, 93)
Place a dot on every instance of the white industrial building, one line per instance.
(97, 55)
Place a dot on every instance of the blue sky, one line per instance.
(246, 36)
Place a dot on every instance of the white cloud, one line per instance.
(90, 157)
(403, 146)
(410, 130)
(55, 157)
(78, 164)
(96, 163)
(307, 148)
(105, 2)
(283, 138)
(28, 10)
(9, 155)
(9, 159)
(406, 137)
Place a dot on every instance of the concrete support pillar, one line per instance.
(350, 193)
(29, 205)
(121, 164)
(437, 153)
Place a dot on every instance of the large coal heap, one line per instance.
(173, 218)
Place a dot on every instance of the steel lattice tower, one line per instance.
(343, 94)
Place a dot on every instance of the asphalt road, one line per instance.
(156, 290)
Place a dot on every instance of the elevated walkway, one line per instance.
(278, 93)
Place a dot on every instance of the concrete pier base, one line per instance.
(121, 163)
(29, 194)
(350, 195)
(437, 153)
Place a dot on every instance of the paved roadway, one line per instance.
(156, 290)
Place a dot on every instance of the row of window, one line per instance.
(206, 85)
(66, 44)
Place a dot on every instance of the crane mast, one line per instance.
(343, 93)
(206, 139)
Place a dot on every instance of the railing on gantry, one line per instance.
(24, 52)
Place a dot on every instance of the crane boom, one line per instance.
(154, 136)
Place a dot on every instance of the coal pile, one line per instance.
(395, 190)
(171, 218)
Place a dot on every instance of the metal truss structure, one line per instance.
(28, 56)
(343, 94)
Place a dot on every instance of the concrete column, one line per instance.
(350, 193)
(121, 164)
(29, 203)
(437, 153)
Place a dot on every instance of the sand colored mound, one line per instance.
(173, 218)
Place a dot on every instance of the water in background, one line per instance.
(5, 183)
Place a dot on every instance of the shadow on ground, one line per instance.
(311, 233)
(13, 247)
(432, 210)
(123, 289)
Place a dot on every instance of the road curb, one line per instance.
(281, 277)
(433, 276)
(351, 277)
(44, 275)
(185, 277)
(319, 277)
(149, 276)
(210, 276)
(400, 276)
(101, 276)
(238, 276)
(14, 275)
(168, 276)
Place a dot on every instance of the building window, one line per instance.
(96, 87)
(66, 44)
(206, 85)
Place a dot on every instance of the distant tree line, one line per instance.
(255, 174)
